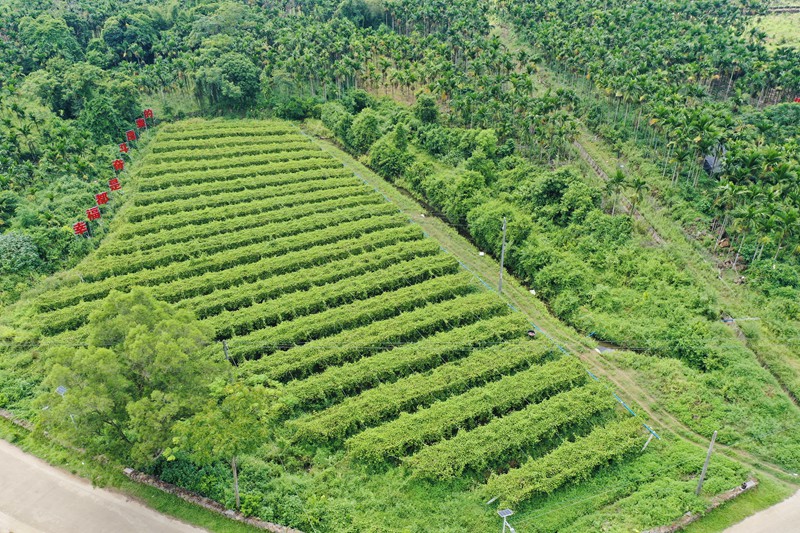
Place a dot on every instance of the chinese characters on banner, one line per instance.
(80, 228)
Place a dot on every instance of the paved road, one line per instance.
(782, 517)
(38, 498)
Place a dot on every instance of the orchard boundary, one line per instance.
(206, 503)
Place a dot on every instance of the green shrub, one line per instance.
(18, 253)
(365, 130)
(388, 159)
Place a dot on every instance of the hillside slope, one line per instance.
(401, 376)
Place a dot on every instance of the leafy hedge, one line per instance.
(207, 246)
(266, 145)
(162, 147)
(353, 344)
(188, 134)
(290, 262)
(332, 321)
(164, 169)
(337, 382)
(389, 399)
(426, 426)
(209, 189)
(166, 181)
(509, 438)
(112, 247)
(71, 317)
(211, 214)
(181, 272)
(572, 461)
(238, 198)
(362, 261)
(221, 126)
(317, 299)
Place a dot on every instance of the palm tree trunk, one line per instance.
(730, 83)
(739, 251)
(780, 243)
(721, 233)
(676, 174)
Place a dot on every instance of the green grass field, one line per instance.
(410, 391)
(781, 29)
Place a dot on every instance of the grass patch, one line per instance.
(768, 493)
(781, 29)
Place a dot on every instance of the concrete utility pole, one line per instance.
(225, 349)
(705, 465)
(502, 257)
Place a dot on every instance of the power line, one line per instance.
(238, 341)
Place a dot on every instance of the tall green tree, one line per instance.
(639, 188)
(366, 129)
(229, 83)
(426, 110)
(233, 423)
(47, 37)
(144, 368)
(614, 186)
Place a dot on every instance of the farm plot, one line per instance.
(382, 345)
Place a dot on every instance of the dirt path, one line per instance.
(625, 202)
(38, 498)
(784, 516)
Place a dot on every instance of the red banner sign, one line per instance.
(102, 198)
(123, 147)
(140, 123)
(148, 113)
(114, 185)
(118, 165)
(93, 213)
(130, 135)
(80, 228)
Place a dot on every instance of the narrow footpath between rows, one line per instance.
(38, 498)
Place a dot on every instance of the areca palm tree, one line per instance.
(614, 186)
(745, 220)
(788, 222)
(639, 188)
(727, 197)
